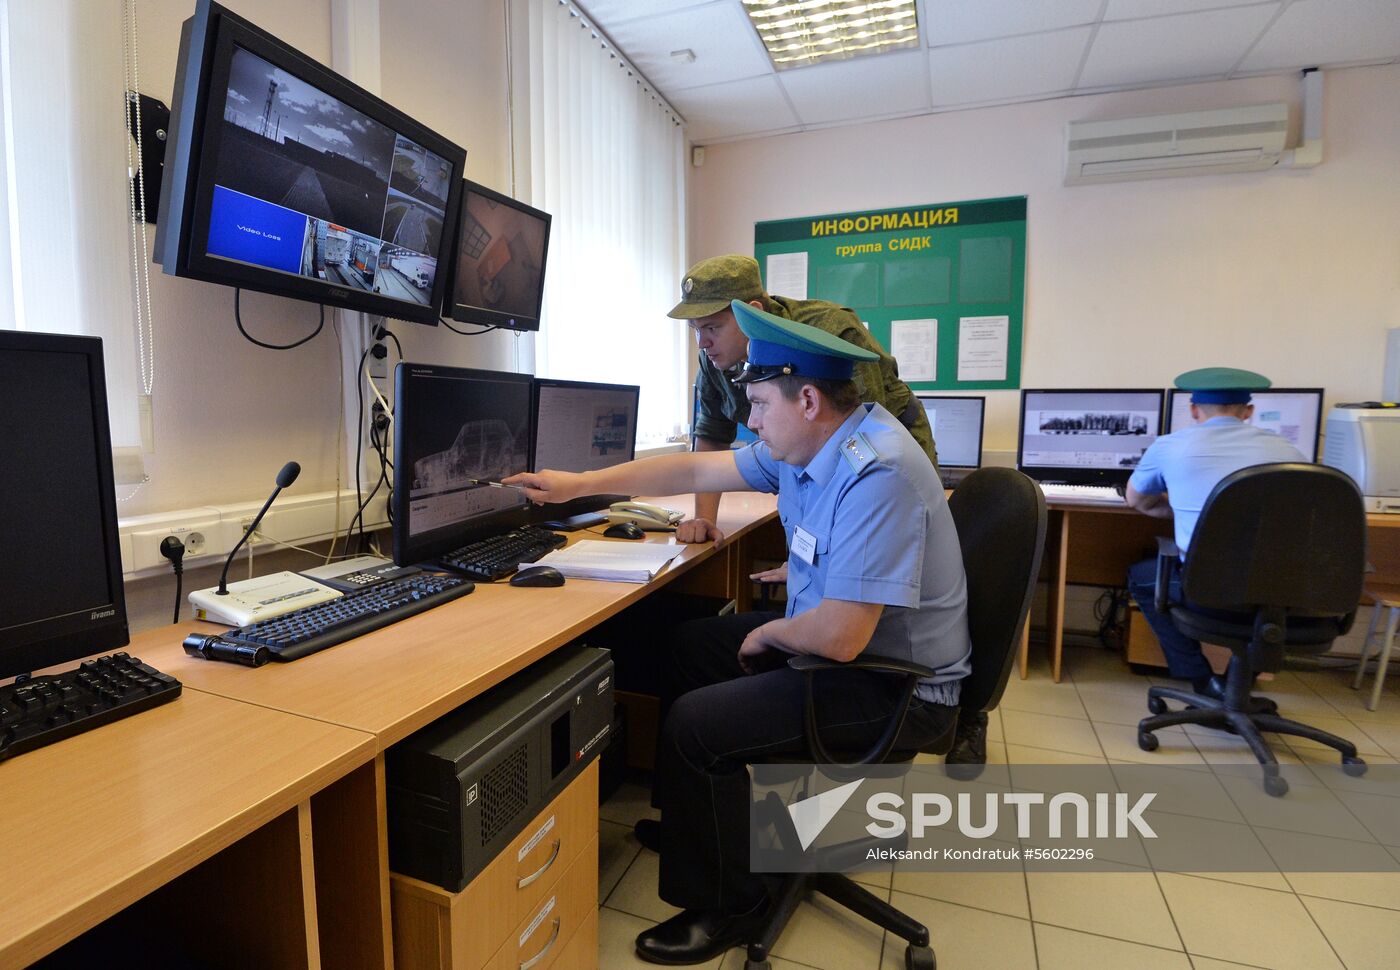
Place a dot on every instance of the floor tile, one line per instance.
(735, 959)
(1206, 963)
(1260, 880)
(963, 938)
(617, 934)
(1173, 746)
(1306, 808)
(1023, 754)
(1339, 726)
(635, 893)
(1047, 731)
(997, 892)
(1245, 924)
(632, 801)
(1117, 706)
(1047, 697)
(1223, 748)
(1061, 949)
(1364, 937)
(1121, 905)
(1378, 889)
(1379, 813)
(617, 847)
(827, 935)
(1386, 736)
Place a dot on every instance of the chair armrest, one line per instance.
(806, 662)
(810, 665)
(1168, 556)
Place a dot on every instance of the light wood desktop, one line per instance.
(274, 776)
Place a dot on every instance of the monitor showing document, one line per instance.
(1083, 437)
(956, 423)
(1293, 412)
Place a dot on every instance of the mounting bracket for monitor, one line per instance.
(155, 124)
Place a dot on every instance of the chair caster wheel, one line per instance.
(1147, 741)
(1156, 705)
(762, 965)
(919, 958)
(1268, 707)
(1353, 766)
(1275, 785)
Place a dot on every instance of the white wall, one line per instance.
(229, 414)
(1292, 273)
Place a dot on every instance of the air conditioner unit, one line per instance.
(1243, 139)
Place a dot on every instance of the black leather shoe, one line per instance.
(969, 745)
(648, 832)
(697, 935)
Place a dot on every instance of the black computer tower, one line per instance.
(460, 789)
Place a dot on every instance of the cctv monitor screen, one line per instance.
(956, 423)
(61, 593)
(1084, 437)
(1294, 413)
(498, 271)
(456, 429)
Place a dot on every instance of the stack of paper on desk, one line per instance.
(622, 562)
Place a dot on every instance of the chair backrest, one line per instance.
(1000, 517)
(1283, 535)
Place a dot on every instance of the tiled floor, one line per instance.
(1131, 919)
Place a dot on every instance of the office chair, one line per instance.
(1000, 519)
(1275, 565)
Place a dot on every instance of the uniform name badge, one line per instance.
(804, 545)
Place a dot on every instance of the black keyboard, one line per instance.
(497, 557)
(52, 707)
(294, 635)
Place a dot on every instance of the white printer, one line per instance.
(1363, 440)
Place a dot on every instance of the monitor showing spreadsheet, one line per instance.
(1086, 436)
(956, 423)
(1293, 412)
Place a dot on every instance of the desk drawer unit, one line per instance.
(545, 939)
(437, 929)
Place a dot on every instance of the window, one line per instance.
(597, 148)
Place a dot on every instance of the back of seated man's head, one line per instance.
(1241, 411)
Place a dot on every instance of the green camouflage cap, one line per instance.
(1221, 385)
(710, 284)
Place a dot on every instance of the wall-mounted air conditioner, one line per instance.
(1243, 139)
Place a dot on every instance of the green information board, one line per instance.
(942, 287)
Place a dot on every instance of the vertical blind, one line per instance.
(600, 151)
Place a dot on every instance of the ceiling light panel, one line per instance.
(802, 32)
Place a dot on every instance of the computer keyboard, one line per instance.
(294, 635)
(497, 557)
(52, 707)
(1082, 493)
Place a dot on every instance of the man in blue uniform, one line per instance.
(1176, 476)
(874, 568)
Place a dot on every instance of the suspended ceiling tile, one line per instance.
(1321, 32)
(960, 21)
(995, 70)
(610, 12)
(863, 87)
(725, 44)
(749, 107)
(1192, 45)
(1132, 9)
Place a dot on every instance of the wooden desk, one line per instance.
(1094, 544)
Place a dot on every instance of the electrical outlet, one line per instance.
(145, 544)
(379, 361)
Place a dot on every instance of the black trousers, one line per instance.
(717, 719)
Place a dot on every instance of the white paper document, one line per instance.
(982, 348)
(914, 343)
(787, 275)
(622, 562)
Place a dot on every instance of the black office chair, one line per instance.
(1275, 565)
(1000, 517)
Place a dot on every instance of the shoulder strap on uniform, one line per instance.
(859, 453)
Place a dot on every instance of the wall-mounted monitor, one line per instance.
(1293, 412)
(498, 265)
(285, 177)
(1086, 437)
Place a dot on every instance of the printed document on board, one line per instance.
(982, 345)
(787, 275)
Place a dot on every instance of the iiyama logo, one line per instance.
(102, 614)
(337, 291)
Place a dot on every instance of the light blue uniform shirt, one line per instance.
(881, 532)
(1189, 463)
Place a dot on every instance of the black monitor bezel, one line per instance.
(584, 503)
(1319, 392)
(187, 190)
(981, 423)
(464, 313)
(1078, 476)
(429, 546)
(59, 640)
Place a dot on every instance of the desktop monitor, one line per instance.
(1293, 412)
(498, 263)
(455, 428)
(956, 423)
(1086, 437)
(283, 176)
(580, 427)
(60, 560)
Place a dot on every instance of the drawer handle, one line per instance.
(540, 956)
(521, 884)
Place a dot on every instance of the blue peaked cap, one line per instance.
(778, 346)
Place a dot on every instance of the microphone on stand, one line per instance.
(285, 477)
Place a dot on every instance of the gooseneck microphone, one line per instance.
(285, 477)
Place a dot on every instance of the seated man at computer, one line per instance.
(875, 568)
(1176, 475)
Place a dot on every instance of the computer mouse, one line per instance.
(624, 530)
(538, 576)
